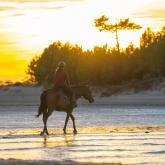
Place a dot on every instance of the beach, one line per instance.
(127, 128)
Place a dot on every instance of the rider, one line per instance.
(61, 81)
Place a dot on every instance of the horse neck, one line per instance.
(78, 91)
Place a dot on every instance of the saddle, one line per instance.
(64, 100)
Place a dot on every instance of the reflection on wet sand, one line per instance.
(63, 141)
(127, 147)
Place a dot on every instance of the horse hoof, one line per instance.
(42, 133)
(75, 131)
(64, 131)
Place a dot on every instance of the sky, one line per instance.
(29, 26)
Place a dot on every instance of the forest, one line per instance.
(103, 65)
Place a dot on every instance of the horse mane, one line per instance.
(78, 86)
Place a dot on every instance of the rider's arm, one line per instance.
(67, 79)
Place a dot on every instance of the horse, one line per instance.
(51, 100)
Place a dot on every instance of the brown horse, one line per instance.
(58, 101)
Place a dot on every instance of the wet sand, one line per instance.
(41, 162)
(119, 146)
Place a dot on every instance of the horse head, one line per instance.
(86, 93)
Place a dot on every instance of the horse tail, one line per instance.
(43, 104)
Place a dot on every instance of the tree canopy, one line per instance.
(103, 65)
(122, 24)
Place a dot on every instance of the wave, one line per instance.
(156, 152)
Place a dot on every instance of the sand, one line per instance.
(19, 95)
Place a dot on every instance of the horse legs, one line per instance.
(44, 121)
(66, 122)
(45, 118)
(74, 125)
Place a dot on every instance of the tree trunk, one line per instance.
(117, 40)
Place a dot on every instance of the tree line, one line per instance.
(103, 65)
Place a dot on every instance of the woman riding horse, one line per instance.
(49, 101)
(61, 81)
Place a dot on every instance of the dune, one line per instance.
(22, 95)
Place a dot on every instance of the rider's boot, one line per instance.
(73, 101)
